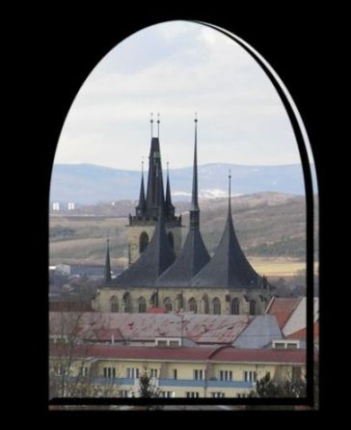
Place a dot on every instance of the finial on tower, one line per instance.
(195, 117)
(158, 125)
(152, 124)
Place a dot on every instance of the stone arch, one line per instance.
(127, 302)
(235, 307)
(216, 306)
(143, 241)
(252, 307)
(205, 304)
(167, 303)
(192, 305)
(141, 305)
(114, 305)
(171, 239)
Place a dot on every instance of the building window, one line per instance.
(153, 373)
(175, 373)
(114, 304)
(174, 343)
(171, 239)
(132, 372)
(199, 374)
(179, 302)
(127, 302)
(225, 375)
(218, 394)
(167, 303)
(206, 304)
(235, 308)
(109, 372)
(162, 343)
(192, 305)
(142, 305)
(291, 345)
(216, 305)
(192, 394)
(167, 394)
(252, 307)
(250, 376)
(84, 371)
(143, 242)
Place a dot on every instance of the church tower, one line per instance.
(142, 224)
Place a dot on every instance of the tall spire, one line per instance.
(158, 125)
(155, 180)
(152, 124)
(230, 192)
(108, 264)
(194, 255)
(169, 208)
(194, 207)
(140, 209)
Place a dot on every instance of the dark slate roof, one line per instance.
(229, 267)
(156, 258)
(191, 259)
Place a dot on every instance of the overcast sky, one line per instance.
(177, 68)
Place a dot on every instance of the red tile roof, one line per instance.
(301, 334)
(221, 354)
(283, 308)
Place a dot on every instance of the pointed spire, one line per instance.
(230, 192)
(158, 125)
(194, 196)
(142, 201)
(169, 208)
(152, 124)
(108, 264)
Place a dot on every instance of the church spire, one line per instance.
(169, 208)
(142, 202)
(230, 193)
(194, 208)
(154, 192)
(108, 264)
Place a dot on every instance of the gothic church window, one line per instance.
(143, 242)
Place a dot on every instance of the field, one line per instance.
(270, 228)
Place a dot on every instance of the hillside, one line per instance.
(267, 224)
(90, 184)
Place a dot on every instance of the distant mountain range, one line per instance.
(91, 184)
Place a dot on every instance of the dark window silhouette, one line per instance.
(143, 242)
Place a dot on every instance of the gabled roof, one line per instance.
(229, 267)
(259, 333)
(156, 258)
(282, 308)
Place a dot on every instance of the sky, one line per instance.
(177, 68)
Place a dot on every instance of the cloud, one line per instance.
(177, 68)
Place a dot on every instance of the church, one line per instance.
(163, 274)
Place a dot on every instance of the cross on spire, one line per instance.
(152, 124)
